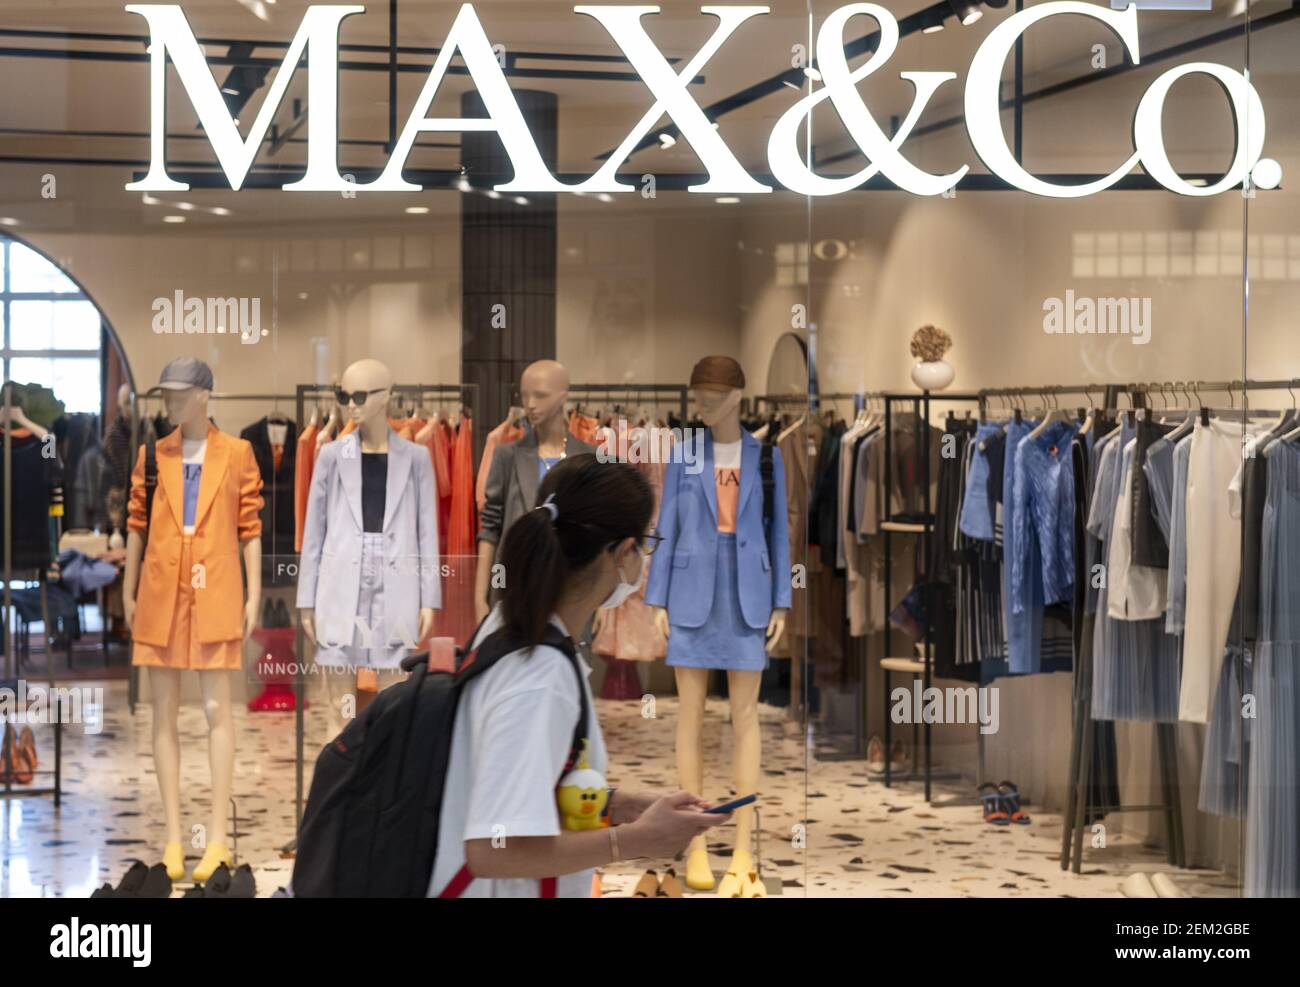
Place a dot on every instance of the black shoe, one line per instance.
(104, 891)
(268, 613)
(156, 883)
(282, 618)
(242, 884)
(132, 880)
(219, 883)
(194, 892)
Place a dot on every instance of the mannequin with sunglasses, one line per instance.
(720, 583)
(368, 579)
(193, 609)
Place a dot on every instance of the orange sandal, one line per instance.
(1011, 801)
(993, 812)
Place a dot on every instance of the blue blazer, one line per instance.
(683, 568)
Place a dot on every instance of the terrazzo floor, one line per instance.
(861, 840)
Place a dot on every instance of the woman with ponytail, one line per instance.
(522, 816)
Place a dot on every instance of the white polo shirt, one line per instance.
(512, 736)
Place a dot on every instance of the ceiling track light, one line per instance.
(967, 12)
(932, 20)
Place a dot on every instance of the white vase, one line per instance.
(932, 375)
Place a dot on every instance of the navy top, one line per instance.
(374, 489)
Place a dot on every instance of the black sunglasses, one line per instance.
(354, 397)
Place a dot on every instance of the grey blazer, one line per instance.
(512, 483)
(329, 575)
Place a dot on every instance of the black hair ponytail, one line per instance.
(584, 506)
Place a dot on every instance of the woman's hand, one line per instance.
(668, 824)
(627, 807)
(661, 621)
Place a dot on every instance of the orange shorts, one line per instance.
(185, 650)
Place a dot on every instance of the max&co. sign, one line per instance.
(319, 31)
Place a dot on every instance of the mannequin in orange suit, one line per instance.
(189, 408)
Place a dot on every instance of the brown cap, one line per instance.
(717, 373)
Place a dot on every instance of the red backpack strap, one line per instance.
(457, 885)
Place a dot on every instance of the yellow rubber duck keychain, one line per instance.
(581, 796)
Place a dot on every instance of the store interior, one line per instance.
(816, 299)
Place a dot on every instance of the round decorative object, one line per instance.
(932, 375)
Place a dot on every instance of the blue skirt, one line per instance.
(725, 641)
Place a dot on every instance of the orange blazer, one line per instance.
(230, 499)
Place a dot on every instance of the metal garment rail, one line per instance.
(304, 394)
(10, 678)
(921, 406)
(133, 673)
(677, 391)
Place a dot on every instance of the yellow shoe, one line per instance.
(699, 875)
(174, 861)
(732, 884)
(213, 857)
(753, 887)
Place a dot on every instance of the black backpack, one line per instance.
(370, 828)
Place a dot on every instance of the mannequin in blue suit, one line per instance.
(720, 583)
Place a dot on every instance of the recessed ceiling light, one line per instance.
(417, 210)
(932, 29)
(605, 197)
(521, 200)
(220, 211)
(8, 221)
(173, 219)
(185, 206)
(727, 200)
(493, 194)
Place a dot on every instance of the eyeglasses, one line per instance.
(354, 397)
(651, 541)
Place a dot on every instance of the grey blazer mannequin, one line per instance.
(329, 578)
(513, 481)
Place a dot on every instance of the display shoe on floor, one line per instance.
(1137, 886)
(218, 886)
(875, 756)
(156, 884)
(1166, 888)
(216, 854)
(103, 891)
(752, 887)
(648, 886)
(898, 757)
(242, 884)
(699, 875)
(1011, 803)
(669, 886)
(27, 747)
(991, 800)
(174, 861)
(282, 618)
(132, 881)
(194, 892)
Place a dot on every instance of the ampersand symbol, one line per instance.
(840, 87)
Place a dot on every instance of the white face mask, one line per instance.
(624, 589)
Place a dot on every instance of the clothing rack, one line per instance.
(921, 405)
(305, 393)
(133, 673)
(11, 676)
(677, 392)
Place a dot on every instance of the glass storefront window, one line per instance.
(962, 564)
